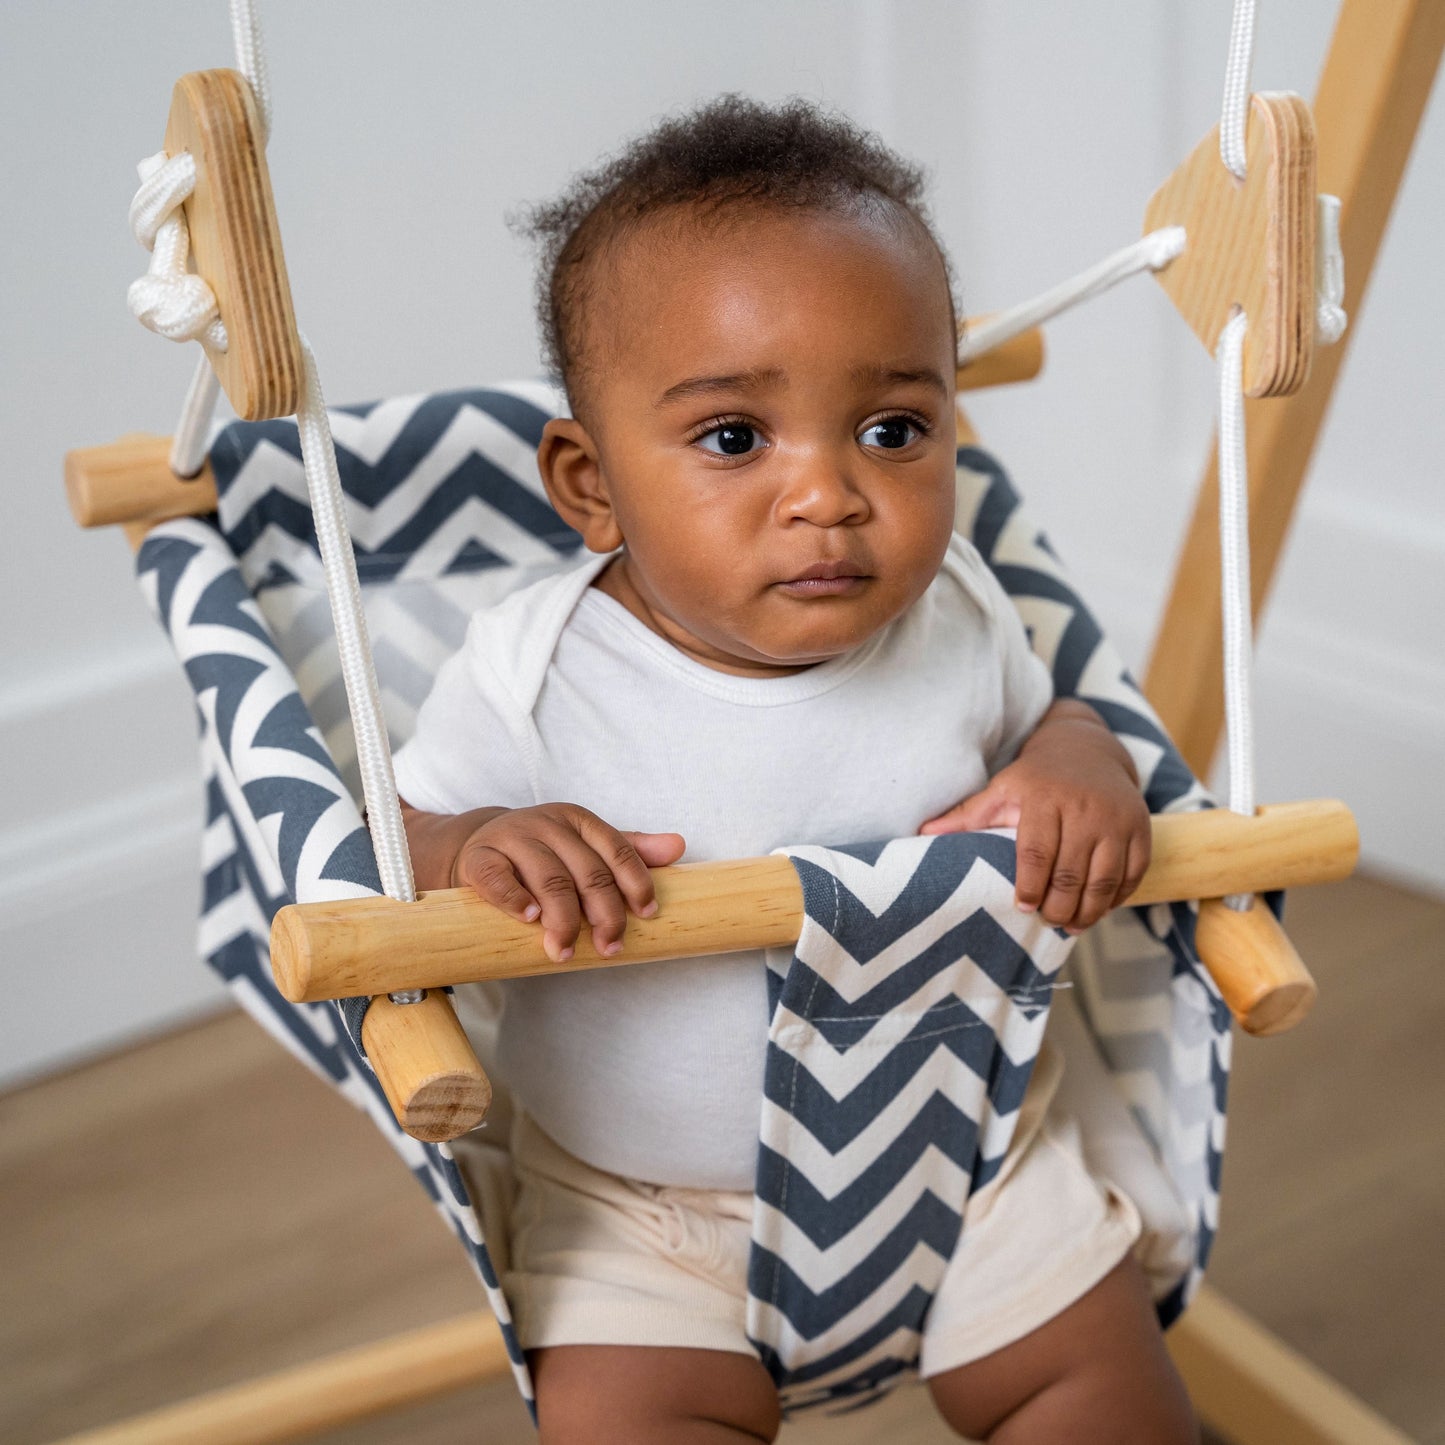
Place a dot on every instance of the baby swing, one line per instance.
(448, 515)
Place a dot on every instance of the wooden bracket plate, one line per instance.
(236, 242)
(1251, 244)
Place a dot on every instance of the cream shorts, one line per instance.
(598, 1259)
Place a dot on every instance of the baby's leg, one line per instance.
(641, 1395)
(1097, 1372)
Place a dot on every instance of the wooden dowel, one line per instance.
(131, 480)
(1249, 956)
(324, 1394)
(426, 1067)
(376, 945)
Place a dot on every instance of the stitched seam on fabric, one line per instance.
(1024, 995)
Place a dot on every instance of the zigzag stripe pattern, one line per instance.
(435, 485)
(280, 826)
(893, 1077)
(905, 1027)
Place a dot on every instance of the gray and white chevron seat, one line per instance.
(447, 514)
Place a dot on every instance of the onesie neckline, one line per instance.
(802, 686)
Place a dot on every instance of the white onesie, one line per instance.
(559, 694)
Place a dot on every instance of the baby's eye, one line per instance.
(892, 434)
(731, 439)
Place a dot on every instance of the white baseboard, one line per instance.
(98, 863)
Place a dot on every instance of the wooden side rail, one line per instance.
(376, 945)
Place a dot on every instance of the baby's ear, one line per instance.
(572, 474)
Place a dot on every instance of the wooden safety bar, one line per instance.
(377, 945)
(438, 1090)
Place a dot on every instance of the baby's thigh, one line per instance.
(649, 1395)
(1098, 1371)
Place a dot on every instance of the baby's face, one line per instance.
(769, 432)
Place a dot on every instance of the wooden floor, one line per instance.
(195, 1211)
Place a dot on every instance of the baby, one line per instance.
(777, 638)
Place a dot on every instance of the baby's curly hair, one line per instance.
(792, 156)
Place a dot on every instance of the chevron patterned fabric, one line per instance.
(904, 1030)
(448, 515)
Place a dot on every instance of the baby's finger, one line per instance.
(1136, 864)
(1101, 885)
(1066, 882)
(602, 902)
(1038, 846)
(551, 883)
(489, 873)
(622, 854)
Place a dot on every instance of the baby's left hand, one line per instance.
(1083, 827)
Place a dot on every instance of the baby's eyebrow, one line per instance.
(872, 374)
(754, 380)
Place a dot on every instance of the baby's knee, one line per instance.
(641, 1395)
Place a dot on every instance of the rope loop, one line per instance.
(1234, 112)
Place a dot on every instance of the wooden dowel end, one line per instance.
(425, 1064)
(1250, 958)
(131, 480)
(1020, 359)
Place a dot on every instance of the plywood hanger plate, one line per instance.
(1251, 243)
(236, 241)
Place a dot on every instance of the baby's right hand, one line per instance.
(559, 863)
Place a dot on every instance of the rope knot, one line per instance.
(170, 299)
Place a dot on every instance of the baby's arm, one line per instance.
(556, 863)
(1083, 827)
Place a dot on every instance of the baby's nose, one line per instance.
(824, 495)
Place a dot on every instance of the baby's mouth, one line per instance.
(826, 579)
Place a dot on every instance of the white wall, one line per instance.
(403, 135)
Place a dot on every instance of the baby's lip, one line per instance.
(829, 572)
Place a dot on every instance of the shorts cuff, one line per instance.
(645, 1325)
(1049, 1296)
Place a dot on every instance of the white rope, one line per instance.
(192, 439)
(1234, 574)
(1150, 253)
(169, 299)
(1234, 113)
(250, 48)
(373, 750)
(1330, 318)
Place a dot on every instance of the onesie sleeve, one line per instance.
(1026, 687)
(1028, 690)
(470, 748)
